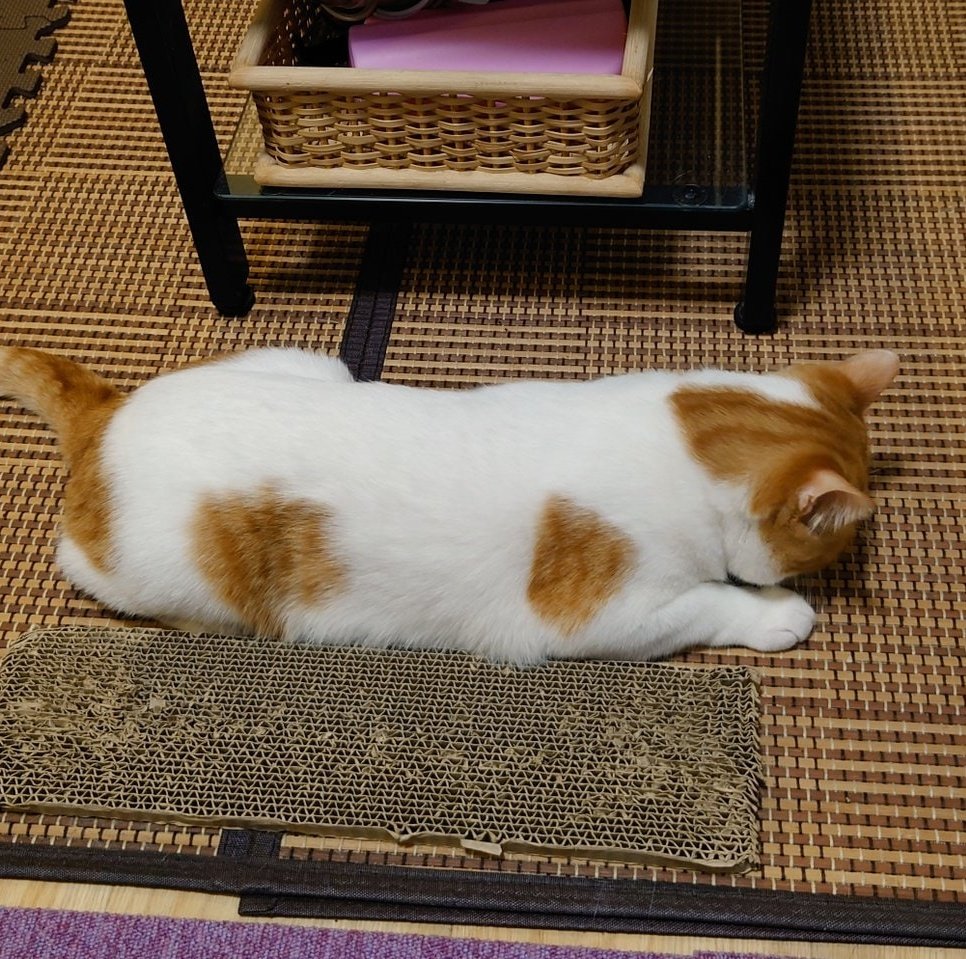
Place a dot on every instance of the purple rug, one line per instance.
(50, 934)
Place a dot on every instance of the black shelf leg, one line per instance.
(781, 86)
(167, 55)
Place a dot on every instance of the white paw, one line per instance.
(785, 619)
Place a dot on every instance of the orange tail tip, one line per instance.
(61, 392)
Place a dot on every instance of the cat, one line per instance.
(628, 517)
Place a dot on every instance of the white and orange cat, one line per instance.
(627, 517)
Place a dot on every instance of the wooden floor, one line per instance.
(154, 902)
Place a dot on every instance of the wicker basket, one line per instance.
(436, 130)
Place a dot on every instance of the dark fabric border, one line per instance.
(271, 887)
(918, 930)
(370, 317)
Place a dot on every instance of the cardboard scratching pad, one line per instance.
(637, 762)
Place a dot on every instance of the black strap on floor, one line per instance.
(369, 322)
(249, 844)
(269, 886)
(849, 923)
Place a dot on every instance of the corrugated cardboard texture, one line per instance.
(625, 761)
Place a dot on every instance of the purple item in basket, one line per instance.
(505, 36)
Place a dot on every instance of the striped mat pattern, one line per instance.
(863, 728)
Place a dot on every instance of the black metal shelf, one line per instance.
(697, 160)
(659, 207)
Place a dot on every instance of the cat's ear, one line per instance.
(870, 373)
(827, 501)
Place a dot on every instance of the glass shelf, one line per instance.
(697, 170)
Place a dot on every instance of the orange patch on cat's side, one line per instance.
(262, 553)
(79, 405)
(580, 561)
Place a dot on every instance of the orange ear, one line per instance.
(870, 373)
(827, 501)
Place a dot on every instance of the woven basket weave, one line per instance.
(444, 130)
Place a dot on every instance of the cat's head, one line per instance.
(797, 471)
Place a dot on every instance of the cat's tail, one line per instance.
(71, 399)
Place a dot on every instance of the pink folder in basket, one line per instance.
(505, 36)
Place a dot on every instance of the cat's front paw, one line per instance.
(785, 620)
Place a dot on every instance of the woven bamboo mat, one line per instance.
(864, 727)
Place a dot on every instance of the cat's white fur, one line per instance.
(435, 498)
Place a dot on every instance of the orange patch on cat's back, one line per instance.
(729, 429)
(580, 561)
(263, 552)
(737, 434)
